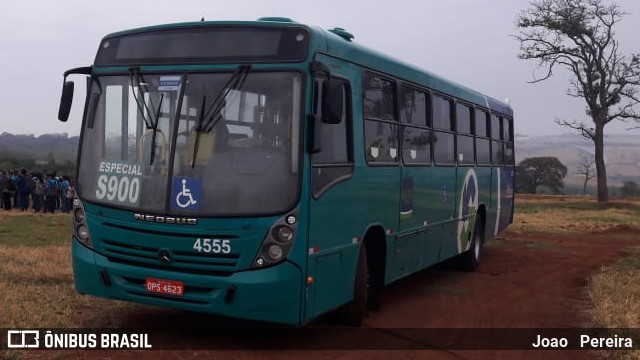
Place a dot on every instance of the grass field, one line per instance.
(38, 291)
(573, 214)
(615, 296)
(36, 276)
(614, 291)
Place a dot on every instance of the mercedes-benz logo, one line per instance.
(164, 256)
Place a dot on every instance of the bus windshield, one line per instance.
(190, 144)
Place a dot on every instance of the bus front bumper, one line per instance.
(271, 294)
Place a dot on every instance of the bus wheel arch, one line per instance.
(375, 245)
(368, 278)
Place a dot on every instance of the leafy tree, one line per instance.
(630, 188)
(578, 35)
(534, 172)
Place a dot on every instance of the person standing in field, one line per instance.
(23, 190)
(51, 192)
(64, 194)
(3, 189)
(37, 195)
(14, 193)
(7, 191)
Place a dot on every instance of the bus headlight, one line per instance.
(275, 252)
(278, 242)
(81, 230)
(283, 234)
(82, 233)
(78, 215)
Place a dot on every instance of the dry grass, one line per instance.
(31, 275)
(615, 297)
(574, 214)
(615, 290)
(38, 291)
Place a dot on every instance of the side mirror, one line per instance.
(65, 101)
(333, 102)
(67, 91)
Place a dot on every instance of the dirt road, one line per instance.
(525, 281)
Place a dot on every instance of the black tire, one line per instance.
(472, 257)
(354, 312)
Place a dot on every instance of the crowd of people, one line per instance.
(24, 190)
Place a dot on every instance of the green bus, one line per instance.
(273, 171)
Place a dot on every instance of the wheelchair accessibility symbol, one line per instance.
(185, 193)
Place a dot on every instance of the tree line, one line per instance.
(546, 174)
(42, 154)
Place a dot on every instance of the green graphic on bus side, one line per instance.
(467, 209)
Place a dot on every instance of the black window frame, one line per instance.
(395, 122)
(485, 137)
(452, 131)
(452, 115)
(426, 127)
(465, 135)
(491, 129)
(471, 118)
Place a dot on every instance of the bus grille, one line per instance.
(191, 262)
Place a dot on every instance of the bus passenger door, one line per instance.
(332, 206)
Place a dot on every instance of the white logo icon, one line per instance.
(184, 198)
(24, 337)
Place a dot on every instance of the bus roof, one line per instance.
(337, 43)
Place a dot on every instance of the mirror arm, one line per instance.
(85, 70)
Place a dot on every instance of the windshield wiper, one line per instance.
(208, 120)
(144, 108)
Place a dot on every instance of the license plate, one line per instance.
(162, 286)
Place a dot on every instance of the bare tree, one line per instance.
(579, 36)
(585, 168)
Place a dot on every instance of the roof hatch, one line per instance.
(276, 19)
(342, 33)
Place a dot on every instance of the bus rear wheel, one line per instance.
(471, 258)
(353, 313)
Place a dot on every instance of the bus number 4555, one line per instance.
(212, 246)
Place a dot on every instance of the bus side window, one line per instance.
(416, 135)
(506, 129)
(466, 154)
(380, 120)
(334, 162)
(483, 143)
(443, 141)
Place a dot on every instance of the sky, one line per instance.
(467, 41)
